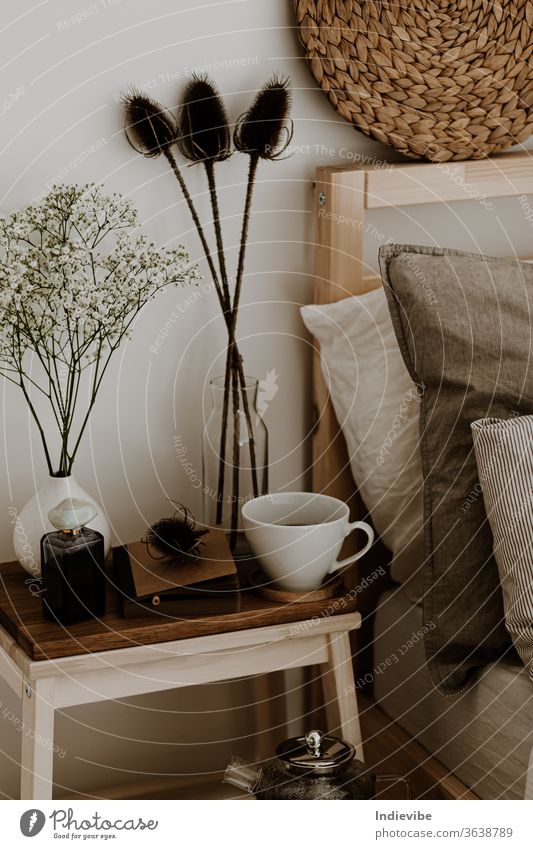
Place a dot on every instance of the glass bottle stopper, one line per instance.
(72, 514)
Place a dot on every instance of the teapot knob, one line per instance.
(314, 743)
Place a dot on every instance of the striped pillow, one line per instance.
(504, 455)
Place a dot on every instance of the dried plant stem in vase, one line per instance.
(202, 135)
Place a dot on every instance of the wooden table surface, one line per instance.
(21, 616)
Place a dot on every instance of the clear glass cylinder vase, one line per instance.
(231, 478)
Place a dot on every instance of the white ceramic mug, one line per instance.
(297, 537)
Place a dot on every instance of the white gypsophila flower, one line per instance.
(74, 273)
(55, 279)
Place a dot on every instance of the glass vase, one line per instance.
(218, 506)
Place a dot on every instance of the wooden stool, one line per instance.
(49, 667)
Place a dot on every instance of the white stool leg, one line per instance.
(37, 751)
(339, 692)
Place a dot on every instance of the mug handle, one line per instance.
(352, 526)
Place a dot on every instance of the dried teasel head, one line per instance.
(175, 538)
(265, 130)
(203, 129)
(149, 126)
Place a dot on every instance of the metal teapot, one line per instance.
(317, 766)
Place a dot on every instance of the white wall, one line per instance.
(72, 75)
(66, 124)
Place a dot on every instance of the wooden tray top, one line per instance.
(21, 616)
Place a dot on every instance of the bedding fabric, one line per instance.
(504, 454)
(377, 405)
(463, 324)
(529, 780)
(483, 735)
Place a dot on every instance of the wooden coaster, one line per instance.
(268, 589)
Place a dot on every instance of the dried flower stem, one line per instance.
(210, 172)
(236, 462)
(223, 435)
(230, 365)
(254, 160)
(233, 359)
(252, 171)
(192, 209)
(232, 352)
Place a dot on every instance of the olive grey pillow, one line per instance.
(504, 454)
(463, 324)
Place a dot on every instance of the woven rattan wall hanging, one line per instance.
(436, 80)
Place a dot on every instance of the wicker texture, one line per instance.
(435, 80)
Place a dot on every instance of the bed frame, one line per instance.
(342, 197)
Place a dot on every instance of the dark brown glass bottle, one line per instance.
(72, 566)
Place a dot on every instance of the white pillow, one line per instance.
(377, 405)
(504, 456)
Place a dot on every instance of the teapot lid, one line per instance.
(316, 753)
